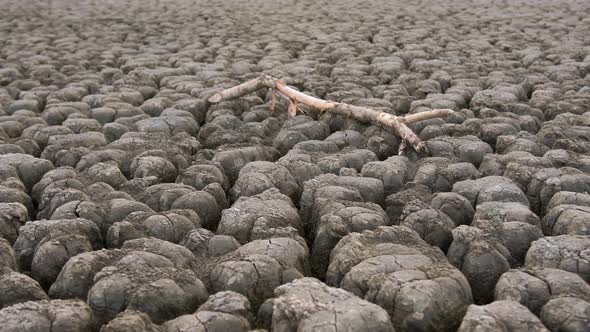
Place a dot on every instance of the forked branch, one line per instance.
(363, 114)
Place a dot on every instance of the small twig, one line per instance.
(363, 114)
(292, 108)
(301, 110)
(402, 148)
(273, 98)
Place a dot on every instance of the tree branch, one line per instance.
(363, 114)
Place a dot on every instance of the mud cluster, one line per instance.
(128, 202)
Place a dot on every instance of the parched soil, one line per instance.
(129, 202)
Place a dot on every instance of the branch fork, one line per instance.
(397, 123)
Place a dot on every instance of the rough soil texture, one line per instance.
(128, 202)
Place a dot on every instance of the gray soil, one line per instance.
(128, 202)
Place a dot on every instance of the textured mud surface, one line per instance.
(130, 203)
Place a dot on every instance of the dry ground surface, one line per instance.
(128, 202)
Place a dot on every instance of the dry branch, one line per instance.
(363, 114)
